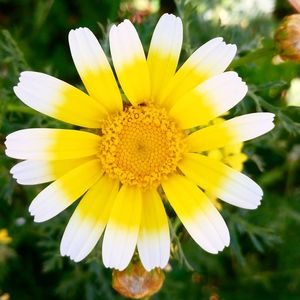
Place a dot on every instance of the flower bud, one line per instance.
(135, 282)
(295, 4)
(287, 37)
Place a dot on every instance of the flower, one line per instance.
(292, 95)
(287, 38)
(4, 237)
(139, 148)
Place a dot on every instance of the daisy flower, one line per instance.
(148, 144)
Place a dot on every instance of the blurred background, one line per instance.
(263, 260)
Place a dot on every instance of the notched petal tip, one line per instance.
(218, 39)
(126, 22)
(79, 30)
(14, 170)
(113, 27)
(232, 49)
(169, 17)
(16, 89)
(232, 46)
(271, 116)
(251, 205)
(38, 220)
(215, 249)
(121, 26)
(36, 217)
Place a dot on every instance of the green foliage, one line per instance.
(262, 261)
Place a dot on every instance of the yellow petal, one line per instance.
(154, 237)
(201, 219)
(51, 144)
(218, 179)
(209, 60)
(233, 131)
(59, 100)
(122, 230)
(236, 161)
(94, 69)
(63, 192)
(164, 53)
(209, 100)
(89, 219)
(30, 172)
(130, 62)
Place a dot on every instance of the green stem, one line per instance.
(259, 101)
(181, 253)
(184, 14)
(13, 47)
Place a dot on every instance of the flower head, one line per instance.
(287, 37)
(155, 141)
(292, 95)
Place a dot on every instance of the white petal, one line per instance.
(231, 132)
(164, 53)
(31, 172)
(209, 100)
(51, 144)
(226, 183)
(209, 60)
(59, 100)
(253, 125)
(198, 215)
(122, 230)
(154, 237)
(94, 69)
(130, 62)
(89, 219)
(63, 192)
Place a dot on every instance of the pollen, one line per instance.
(141, 146)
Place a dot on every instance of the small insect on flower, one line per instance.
(154, 142)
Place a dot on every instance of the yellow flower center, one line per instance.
(141, 146)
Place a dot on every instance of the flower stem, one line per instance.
(182, 257)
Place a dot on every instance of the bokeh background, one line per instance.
(263, 260)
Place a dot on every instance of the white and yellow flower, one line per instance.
(140, 147)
